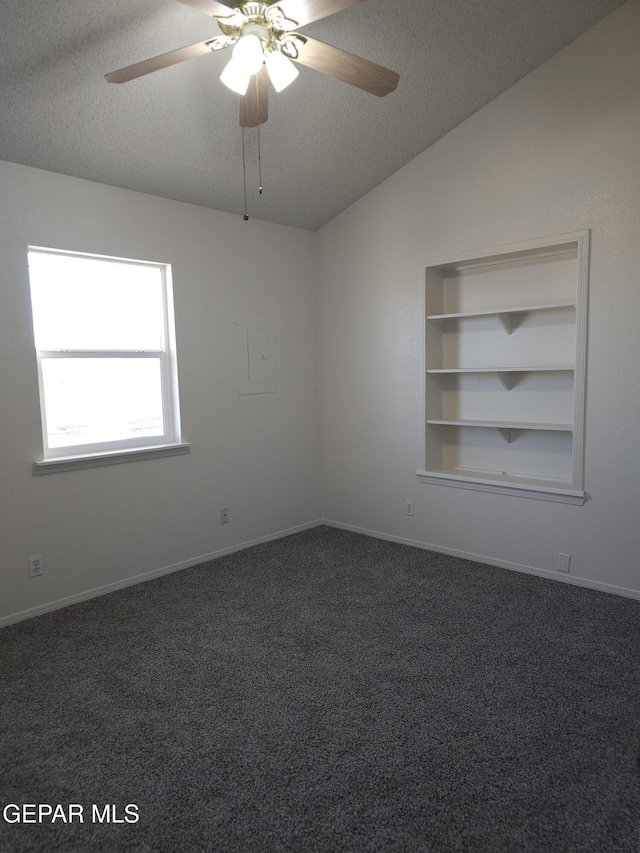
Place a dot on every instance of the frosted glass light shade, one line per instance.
(248, 52)
(281, 70)
(235, 77)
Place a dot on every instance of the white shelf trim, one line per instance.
(504, 374)
(554, 369)
(558, 491)
(501, 313)
(559, 427)
(505, 428)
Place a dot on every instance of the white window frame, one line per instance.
(102, 453)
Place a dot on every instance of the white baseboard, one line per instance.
(204, 558)
(491, 561)
(146, 576)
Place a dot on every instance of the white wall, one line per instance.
(258, 454)
(557, 153)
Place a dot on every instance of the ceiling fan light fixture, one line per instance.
(281, 70)
(235, 77)
(247, 58)
(248, 52)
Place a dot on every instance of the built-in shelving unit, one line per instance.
(536, 293)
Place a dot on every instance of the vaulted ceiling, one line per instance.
(175, 133)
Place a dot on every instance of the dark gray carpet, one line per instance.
(329, 692)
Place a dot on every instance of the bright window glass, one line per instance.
(103, 332)
(93, 400)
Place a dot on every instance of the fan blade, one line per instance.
(210, 7)
(254, 106)
(347, 67)
(158, 62)
(306, 11)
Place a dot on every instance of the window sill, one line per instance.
(110, 457)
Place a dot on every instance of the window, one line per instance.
(106, 360)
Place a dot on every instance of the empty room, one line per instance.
(319, 405)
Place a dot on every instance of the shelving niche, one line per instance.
(505, 348)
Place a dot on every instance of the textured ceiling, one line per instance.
(175, 133)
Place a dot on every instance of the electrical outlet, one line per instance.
(224, 516)
(564, 562)
(408, 507)
(36, 566)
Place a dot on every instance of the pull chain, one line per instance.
(259, 165)
(244, 177)
(244, 171)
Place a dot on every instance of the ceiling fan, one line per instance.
(265, 39)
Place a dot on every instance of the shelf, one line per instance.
(504, 374)
(500, 370)
(504, 315)
(539, 488)
(503, 427)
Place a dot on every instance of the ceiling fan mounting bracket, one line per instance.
(266, 21)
